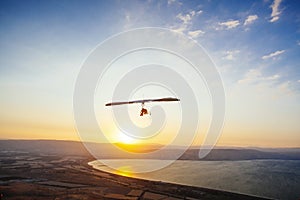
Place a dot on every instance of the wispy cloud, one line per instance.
(184, 18)
(196, 33)
(186, 22)
(180, 29)
(272, 55)
(170, 2)
(251, 76)
(250, 19)
(230, 55)
(229, 24)
(187, 18)
(128, 21)
(275, 10)
(255, 75)
(199, 12)
(274, 77)
(285, 88)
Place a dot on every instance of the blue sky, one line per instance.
(255, 45)
(241, 33)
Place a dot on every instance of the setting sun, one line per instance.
(125, 139)
(153, 99)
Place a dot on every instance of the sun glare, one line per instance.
(125, 139)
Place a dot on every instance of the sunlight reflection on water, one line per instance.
(278, 179)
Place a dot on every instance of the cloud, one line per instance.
(199, 12)
(230, 55)
(170, 2)
(187, 18)
(196, 33)
(298, 43)
(285, 88)
(271, 55)
(250, 76)
(128, 22)
(180, 29)
(274, 77)
(229, 24)
(298, 81)
(270, 85)
(275, 10)
(127, 17)
(250, 19)
(255, 75)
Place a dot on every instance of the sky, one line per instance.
(254, 44)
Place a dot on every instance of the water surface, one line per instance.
(279, 179)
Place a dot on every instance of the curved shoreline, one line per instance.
(174, 190)
(59, 170)
(42, 176)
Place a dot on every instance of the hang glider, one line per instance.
(144, 111)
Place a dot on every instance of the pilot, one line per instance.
(144, 111)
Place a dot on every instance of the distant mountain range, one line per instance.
(108, 151)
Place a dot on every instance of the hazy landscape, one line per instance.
(106, 150)
(32, 168)
(151, 85)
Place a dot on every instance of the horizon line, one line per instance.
(193, 146)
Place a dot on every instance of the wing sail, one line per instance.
(166, 99)
(142, 101)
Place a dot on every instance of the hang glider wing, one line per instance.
(142, 101)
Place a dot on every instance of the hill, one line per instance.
(59, 147)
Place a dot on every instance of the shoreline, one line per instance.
(259, 178)
(52, 176)
(184, 189)
(60, 170)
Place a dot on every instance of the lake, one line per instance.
(279, 179)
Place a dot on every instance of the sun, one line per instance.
(125, 139)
